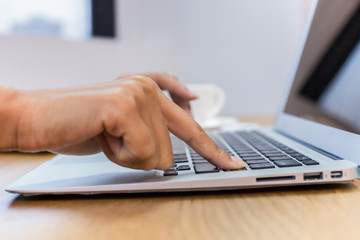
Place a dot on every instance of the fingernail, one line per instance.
(190, 94)
(238, 161)
(193, 96)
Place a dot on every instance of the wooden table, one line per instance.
(316, 212)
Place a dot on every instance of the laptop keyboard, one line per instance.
(256, 149)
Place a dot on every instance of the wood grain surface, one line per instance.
(313, 212)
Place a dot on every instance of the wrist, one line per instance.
(11, 109)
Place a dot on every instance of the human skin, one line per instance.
(128, 119)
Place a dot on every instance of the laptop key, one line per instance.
(270, 152)
(249, 154)
(290, 151)
(280, 158)
(205, 168)
(170, 172)
(252, 158)
(303, 158)
(310, 162)
(287, 163)
(245, 153)
(275, 155)
(199, 160)
(183, 168)
(297, 154)
(244, 150)
(261, 166)
(256, 161)
(184, 160)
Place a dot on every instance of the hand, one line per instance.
(127, 119)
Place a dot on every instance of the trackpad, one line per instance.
(72, 172)
(96, 180)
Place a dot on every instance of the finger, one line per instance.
(184, 127)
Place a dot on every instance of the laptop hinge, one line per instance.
(312, 147)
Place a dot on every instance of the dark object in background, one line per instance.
(103, 18)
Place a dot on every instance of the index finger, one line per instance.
(188, 130)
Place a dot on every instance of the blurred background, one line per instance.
(244, 46)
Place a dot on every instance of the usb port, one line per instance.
(337, 174)
(313, 176)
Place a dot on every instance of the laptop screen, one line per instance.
(326, 88)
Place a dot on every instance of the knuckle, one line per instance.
(116, 92)
(140, 93)
(143, 79)
(146, 87)
(137, 90)
(147, 82)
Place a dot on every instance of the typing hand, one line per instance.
(127, 119)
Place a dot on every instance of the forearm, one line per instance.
(11, 108)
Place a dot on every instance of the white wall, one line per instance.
(245, 46)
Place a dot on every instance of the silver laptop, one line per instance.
(315, 140)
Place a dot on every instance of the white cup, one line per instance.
(209, 103)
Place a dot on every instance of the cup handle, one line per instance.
(219, 104)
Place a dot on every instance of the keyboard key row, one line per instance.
(257, 150)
